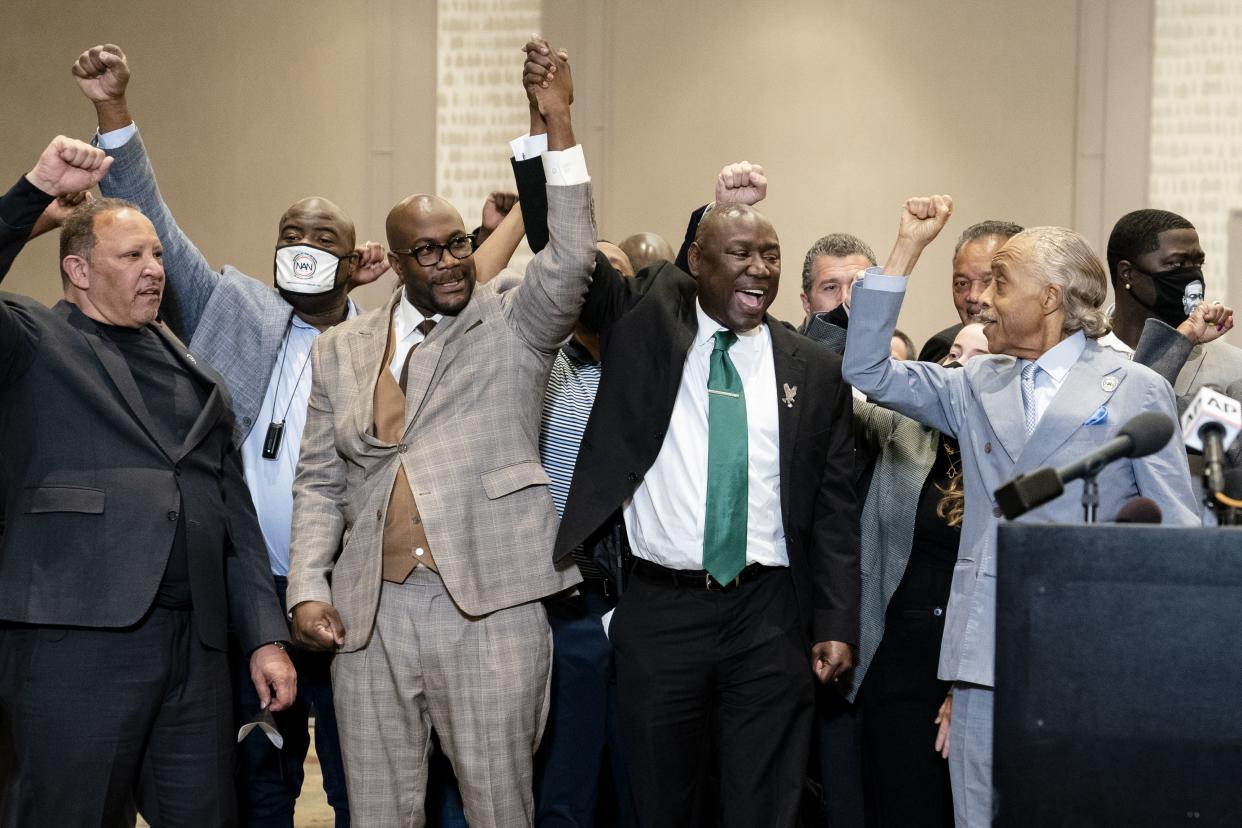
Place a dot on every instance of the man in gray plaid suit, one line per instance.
(423, 526)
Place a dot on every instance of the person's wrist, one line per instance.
(113, 114)
(41, 182)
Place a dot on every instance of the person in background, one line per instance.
(902, 346)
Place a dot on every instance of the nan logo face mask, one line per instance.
(301, 268)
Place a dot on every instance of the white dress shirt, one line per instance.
(665, 516)
(406, 320)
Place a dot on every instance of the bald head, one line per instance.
(314, 217)
(616, 257)
(736, 261)
(646, 249)
(429, 224)
(413, 215)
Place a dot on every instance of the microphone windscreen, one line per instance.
(1150, 432)
(1139, 510)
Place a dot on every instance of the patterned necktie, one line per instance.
(1028, 396)
(724, 529)
(425, 327)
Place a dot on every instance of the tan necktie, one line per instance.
(405, 541)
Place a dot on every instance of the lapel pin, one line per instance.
(791, 391)
(1109, 384)
(191, 358)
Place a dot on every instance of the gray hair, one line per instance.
(983, 229)
(838, 245)
(1063, 258)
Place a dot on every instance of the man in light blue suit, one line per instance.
(1047, 395)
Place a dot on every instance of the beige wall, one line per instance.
(245, 107)
(849, 106)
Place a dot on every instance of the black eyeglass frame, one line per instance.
(421, 252)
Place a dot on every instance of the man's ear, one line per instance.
(806, 304)
(694, 256)
(1053, 299)
(1124, 269)
(78, 270)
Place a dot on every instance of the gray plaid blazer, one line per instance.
(907, 451)
(471, 444)
(234, 322)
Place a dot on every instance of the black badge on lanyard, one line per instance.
(271, 443)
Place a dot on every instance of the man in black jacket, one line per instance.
(131, 545)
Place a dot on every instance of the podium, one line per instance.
(1118, 676)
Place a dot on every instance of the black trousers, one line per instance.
(99, 719)
(908, 781)
(690, 661)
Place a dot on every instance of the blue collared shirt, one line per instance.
(271, 481)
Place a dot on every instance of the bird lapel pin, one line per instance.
(791, 391)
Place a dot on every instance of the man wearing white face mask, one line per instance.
(259, 340)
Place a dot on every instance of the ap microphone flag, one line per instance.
(1211, 411)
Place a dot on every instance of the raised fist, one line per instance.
(741, 183)
(67, 166)
(496, 208)
(922, 218)
(1207, 322)
(370, 263)
(102, 73)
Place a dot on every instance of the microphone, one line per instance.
(1210, 424)
(1142, 435)
(1234, 392)
(1139, 510)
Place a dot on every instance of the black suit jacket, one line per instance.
(937, 348)
(20, 208)
(94, 496)
(646, 326)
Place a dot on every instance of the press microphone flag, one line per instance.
(1142, 435)
(1211, 411)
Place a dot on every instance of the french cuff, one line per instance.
(117, 138)
(529, 146)
(564, 168)
(875, 279)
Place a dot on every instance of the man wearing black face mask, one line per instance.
(1156, 264)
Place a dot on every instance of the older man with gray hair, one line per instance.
(1048, 394)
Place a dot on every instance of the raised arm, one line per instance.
(64, 164)
(545, 307)
(739, 183)
(503, 228)
(1165, 349)
(103, 75)
(926, 392)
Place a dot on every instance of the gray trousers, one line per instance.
(970, 755)
(481, 683)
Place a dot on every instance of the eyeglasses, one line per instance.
(459, 247)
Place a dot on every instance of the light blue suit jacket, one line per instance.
(981, 405)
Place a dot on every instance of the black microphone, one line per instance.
(1139, 510)
(1234, 453)
(1142, 435)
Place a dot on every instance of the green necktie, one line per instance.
(724, 529)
